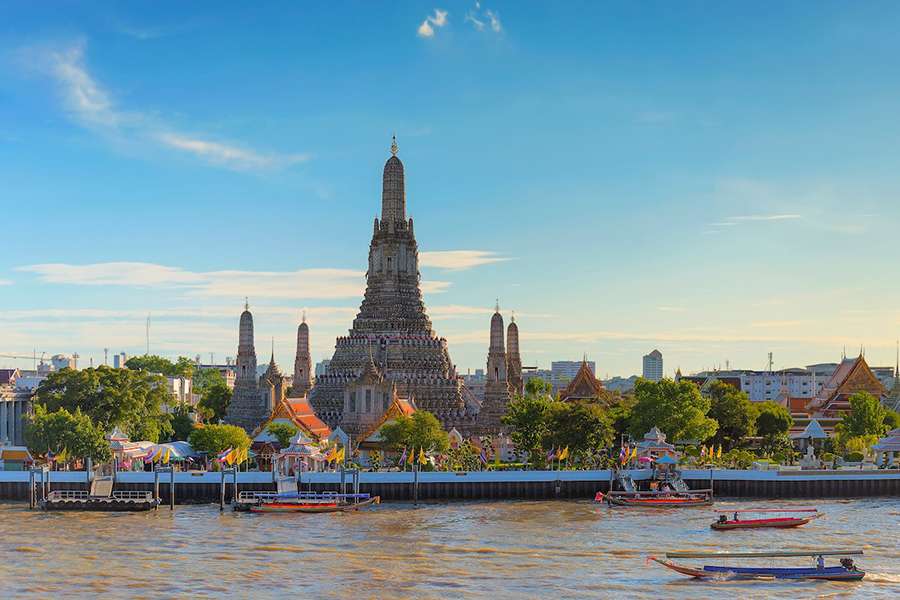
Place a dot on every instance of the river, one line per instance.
(509, 549)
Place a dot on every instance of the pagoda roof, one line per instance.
(852, 375)
(583, 386)
(399, 407)
(299, 412)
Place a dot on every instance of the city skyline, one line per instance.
(172, 163)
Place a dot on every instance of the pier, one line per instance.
(195, 487)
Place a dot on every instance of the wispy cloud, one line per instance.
(91, 105)
(438, 20)
(5, 282)
(482, 20)
(777, 217)
(458, 260)
(304, 283)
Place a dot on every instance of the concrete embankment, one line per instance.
(197, 487)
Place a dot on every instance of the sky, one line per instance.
(715, 180)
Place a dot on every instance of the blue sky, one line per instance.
(709, 179)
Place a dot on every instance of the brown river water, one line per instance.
(509, 549)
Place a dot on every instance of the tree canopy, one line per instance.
(213, 439)
(61, 430)
(283, 432)
(584, 428)
(528, 418)
(214, 400)
(421, 430)
(677, 408)
(111, 398)
(733, 411)
(867, 416)
(182, 367)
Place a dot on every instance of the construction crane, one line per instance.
(33, 357)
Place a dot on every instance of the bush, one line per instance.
(828, 457)
(855, 457)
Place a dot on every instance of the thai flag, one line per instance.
(622, 455)
(551, 455)
(224, 455)
(403, 457)
(483, 457)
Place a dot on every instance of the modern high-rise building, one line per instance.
(564, 371)
(653, 365)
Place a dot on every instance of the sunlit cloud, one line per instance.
(458, 260)
(482, 20)
(439, 19)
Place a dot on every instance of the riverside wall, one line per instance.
(204, 487)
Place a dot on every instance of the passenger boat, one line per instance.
(129, 501)
(846, 571)
(303, 502)
(724, 523)
(657, 499)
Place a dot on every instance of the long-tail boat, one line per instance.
(846, 571)
(657, 499)
(303, 502)
(724, 523)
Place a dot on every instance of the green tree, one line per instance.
(772, 419)
(151, 363)
(214, 401)
(213, 439)
(891, 419)
(132, 400)
(421, 430)
(283, 432)
(733, 411)
(61, 430)
(677, 408)
(528, 418)
(205, 378)
(583, 428)
(866, 417)
(182, 423)
(536, 386)
(620, 416)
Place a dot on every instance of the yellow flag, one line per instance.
(230, 458)
(634, 453)
(564, 454)
(412, 457)
(719, 454)
(422, 458)
(339, 455)
(63, 456)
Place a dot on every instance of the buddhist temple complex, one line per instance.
(391, 355)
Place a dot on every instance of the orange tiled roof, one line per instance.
(584, 385)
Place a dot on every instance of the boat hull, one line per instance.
(664, 502)
(99, 505)
(779, 523)
(287, 507)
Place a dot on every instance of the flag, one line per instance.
(402, 457)
(63, 456)
(50, 455)
(719, 454)
(482, 457)
(332, 454)
(551, 455)
(622, 455)
(167, 456)
(634, 453)
(564, 453)
(339, 455)
(412, 457)
(223, 456)
(702, 451)
(423, 460)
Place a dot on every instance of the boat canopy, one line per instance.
(776, 554)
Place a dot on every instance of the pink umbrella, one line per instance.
(645, 459)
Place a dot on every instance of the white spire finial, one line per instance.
(394, 147)
(246, 303)
(497, 305)
(303, 316)
(513, 317)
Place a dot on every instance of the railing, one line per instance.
(81, 495)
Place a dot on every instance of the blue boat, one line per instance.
(846, 571)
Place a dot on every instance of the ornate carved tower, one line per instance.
(392, 326)
(248, 407)
(302, 362)
(513, 360)
(496, 388)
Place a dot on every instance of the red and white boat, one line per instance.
(787, 518)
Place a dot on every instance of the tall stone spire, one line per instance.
(393, 191)
(496, 388)
(513, 360)
(248, 407)
(303, 361)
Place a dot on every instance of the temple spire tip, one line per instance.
(394, 147)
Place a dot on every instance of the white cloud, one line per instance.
(92, 106)
(476, 23)
(5, 282)
(780, 217)
(495, 20)
(303, 283)
(426, 29)
(458, 260)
